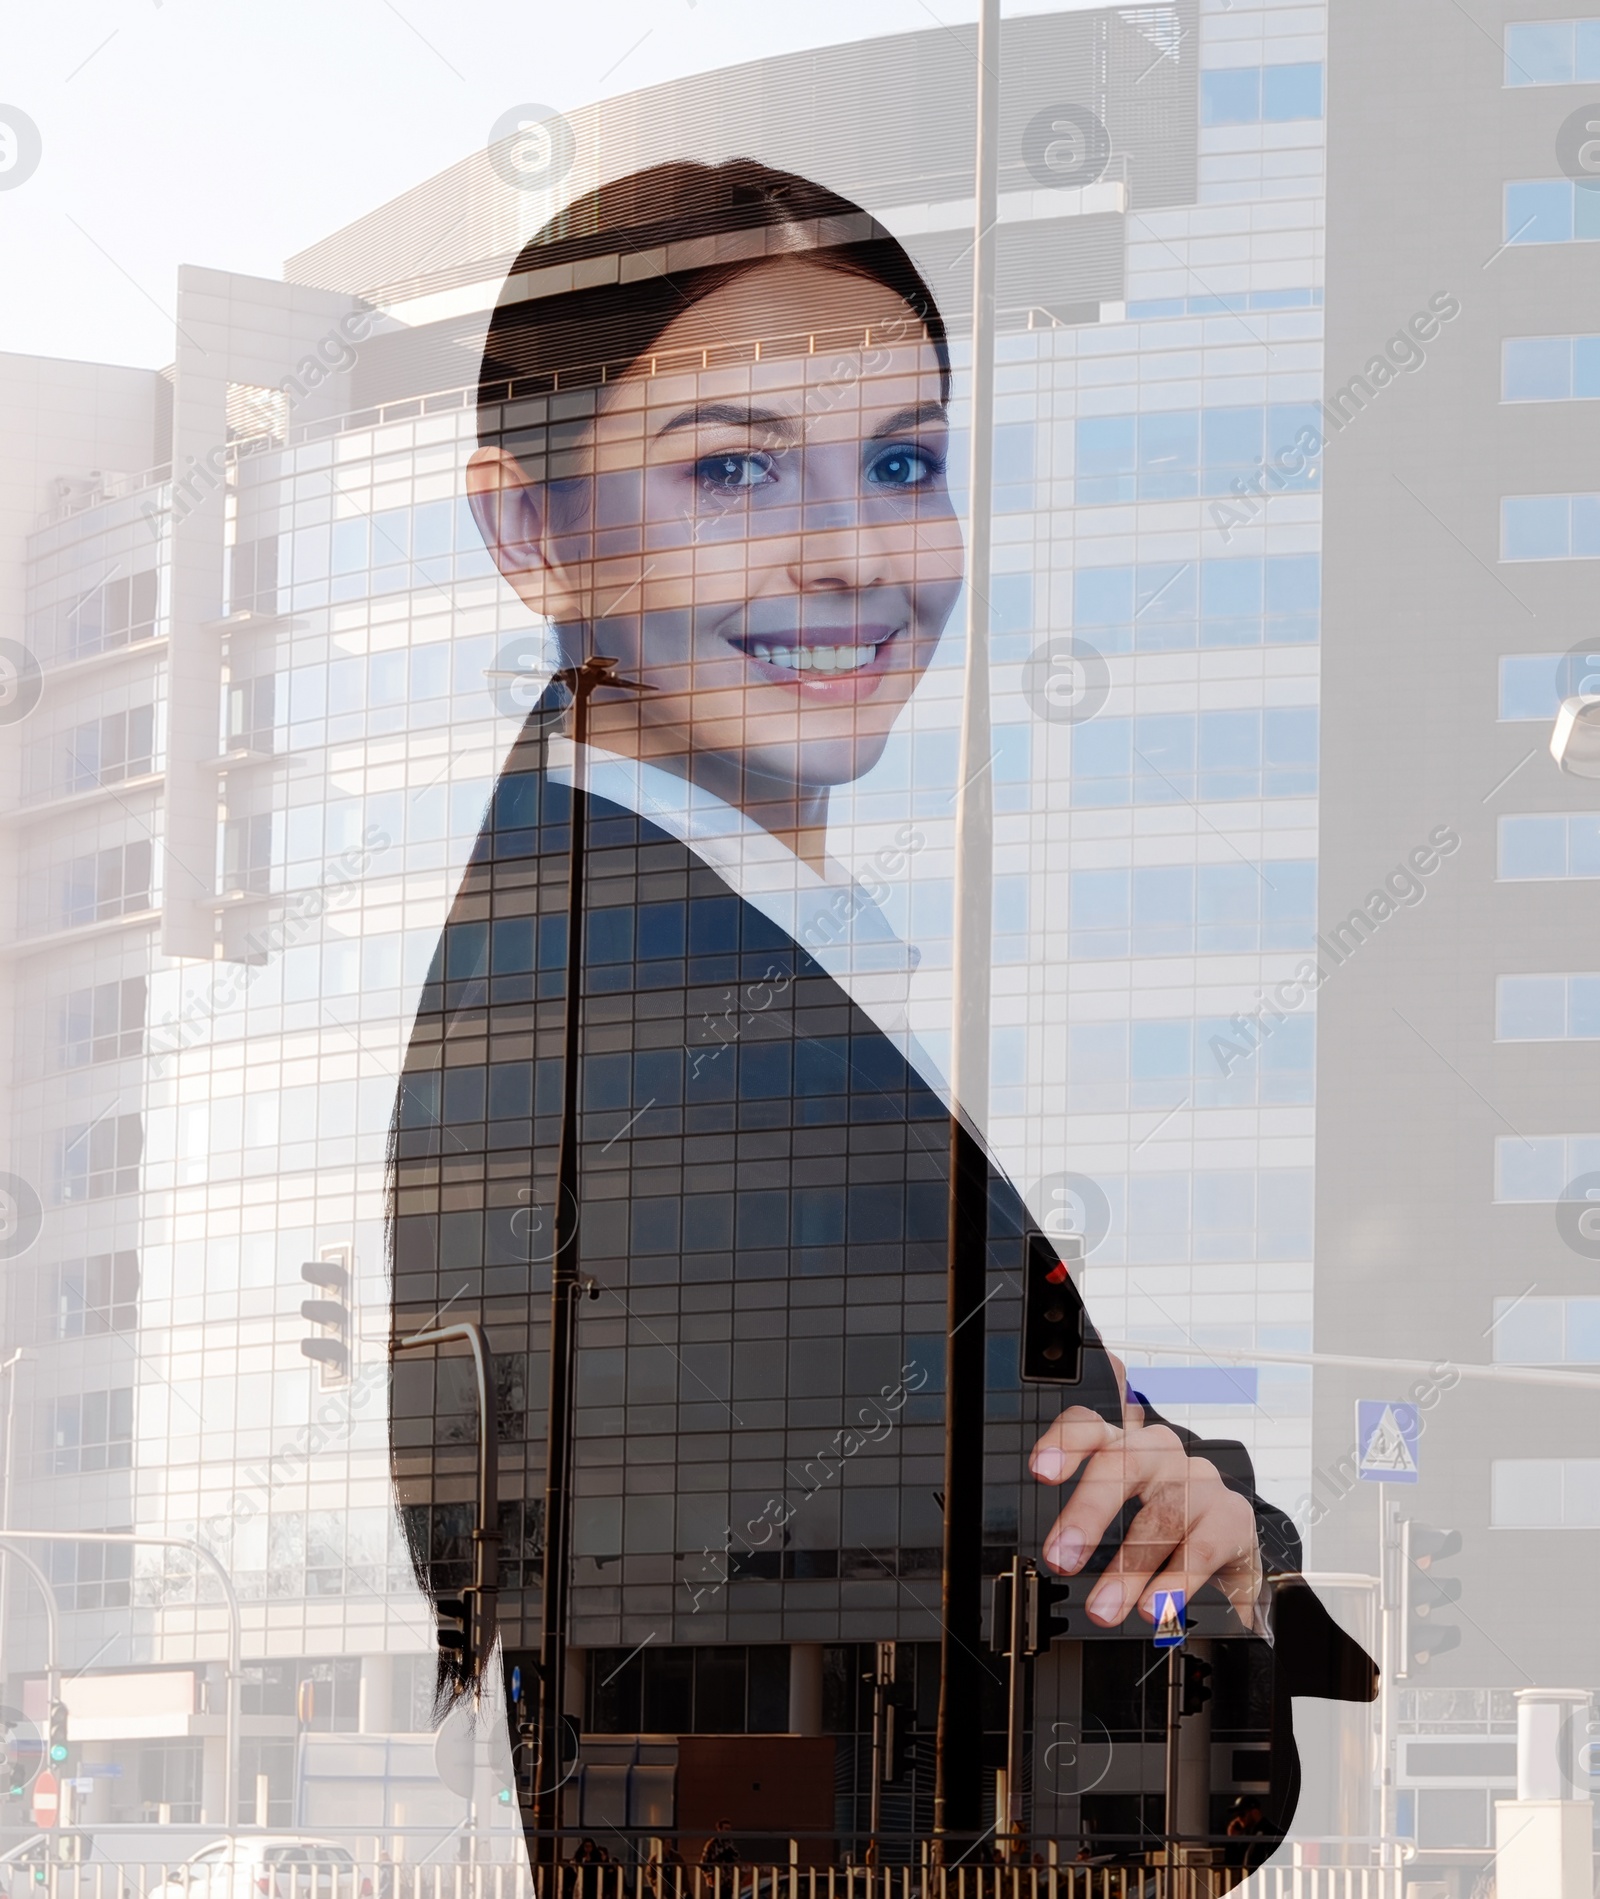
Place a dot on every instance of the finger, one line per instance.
(1222, 1548)
(1075, 1435)
(1139, 1464)
(1156, 1534)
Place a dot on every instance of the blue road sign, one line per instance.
(1386, 1441)
(1169, 1618)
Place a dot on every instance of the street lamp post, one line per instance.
(9, 1368)
(135, 1538)
(582, 682)
(958, 1777)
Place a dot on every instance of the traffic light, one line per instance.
(1043, 1599)
(1423, 1595)
(328, 1347)
(58, 1732)
(1197, 1673)
(454, 1631)
(1052, 1312)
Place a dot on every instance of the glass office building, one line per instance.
(280, 676)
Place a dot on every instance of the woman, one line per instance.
(714, 422)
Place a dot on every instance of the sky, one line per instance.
(233, 133)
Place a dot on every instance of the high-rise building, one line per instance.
(280, 675)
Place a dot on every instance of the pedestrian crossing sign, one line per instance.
(1386, 1441)
(1169, 1618)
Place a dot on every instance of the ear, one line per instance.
(510, 510)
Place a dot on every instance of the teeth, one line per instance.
(817, 659)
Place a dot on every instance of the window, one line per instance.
(99, 1160)
(1184, 910)
(1550, 844)
(1545, 1493)
(1541, 1169)
(91, 889)
(1251, 95)
(1532, 685)
(91, 1430)
(101, 1024)
(169, 1781)
(1550, 211)
(252, 713)
(247, 854)
(1163, 606)
(102, 752)
(1550, 527)
(1113, 1067)
(1529, 1331)
(1171, 758)
(90, 1575)
(1552, 52)
(1171, 454)
(115, 612)
(1547, 1008)
(87, 1296)
(731, 1690)
(1550, 368)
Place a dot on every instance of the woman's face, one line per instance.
(769, 544)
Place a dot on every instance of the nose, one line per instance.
(850, 538)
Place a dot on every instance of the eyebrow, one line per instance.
(742, 415)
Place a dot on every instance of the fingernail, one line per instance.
(1064, 1551)
(1049, 1464)
(1107, 1606)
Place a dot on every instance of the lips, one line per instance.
(820, 657)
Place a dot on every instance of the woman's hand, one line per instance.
(1191, 1528)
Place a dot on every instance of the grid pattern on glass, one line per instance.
(1253, 95)
(1115, 1067)
(1542, 1167)
(1552, 52)
(103, 751)
(103, 1023)
(1189, 910)
(1549, 844)
(1168, 605)
(98, 1159)
(1539, 1330)
(93, 888)
(1178, 757)
(1170, 454)
(88, 1430)
(72, 621)
(1547, 1008)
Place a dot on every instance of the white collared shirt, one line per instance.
(831, 914)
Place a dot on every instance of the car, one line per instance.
(271, 1866)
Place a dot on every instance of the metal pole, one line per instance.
(484, 1617)
(1169, 1822)
(10, 1370)
(1023, 1575)
(52, 1619)
(595, 671)
(882, 1674)
(1387, 1649)
(230, 1597)
(958, 1775)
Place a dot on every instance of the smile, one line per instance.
(818, 659)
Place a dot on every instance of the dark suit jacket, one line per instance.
(764, 1198)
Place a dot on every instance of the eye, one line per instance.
(905, 468)
(734, 474)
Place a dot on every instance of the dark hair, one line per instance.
(593, 290)
(590, 293)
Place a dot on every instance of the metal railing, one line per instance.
(250, 1877)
